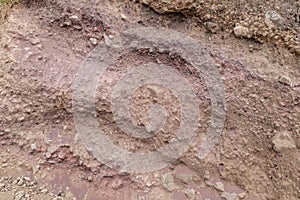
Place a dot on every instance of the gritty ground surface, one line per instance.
(42, 48)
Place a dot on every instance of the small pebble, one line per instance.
(219, 186)
(94, 41)
(33, 147)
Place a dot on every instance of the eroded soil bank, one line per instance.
(255, 47)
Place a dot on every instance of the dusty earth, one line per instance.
(43, 44)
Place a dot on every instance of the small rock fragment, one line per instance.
(94, 41)
(206, 175)
(21, 119)
(33, 147)
(20, 182)
(44, 191)
(107, 40)
(283, 142)
(219, 186)
(123, 16)
(242, 195)
(90, 178)
(229, 196)
(285, 80)
(272, 18)
(2, 186)
(117, 184)
(35, 41)
(184, 174)
(48, 155)
(19, 195)
(212, 27)
(241, 31)
(77, 27)
(58, 198)
(155, 89)
(62, 155)
(168, 182)
(75, 19)
(141, 198)
(66, 23)
(251, 48)
(35, 169)
(7, 131)
(61, 194)
(51, 161)
(28, 110)
(191, 194)
(44, 175)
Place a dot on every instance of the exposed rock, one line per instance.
(19, 195)
(118, 183)
(155, 89)
(44, 191)
(48, 155)
(272, 18)
(219, 186)
(20, 182)
(58, 198)
(90, 178)
(77, 27)
(283, 142)
(212, 27)
(242, 195)
(123, 16)
(21, 119)
(107, 40)
(168, 182)
(94, 41)
(33, 147)
(268, 28)
(62, 155)
(7, 131)
(191, 194)
(184, 174)
(141, 198)
(35, 41)
(75, 20)
(25, 178)
(158, 194)
(35, 169)
(285, 80)
(229, 196)
(241, 31)
(251, 48)
(186, 178)
(206, 175)
(66, 23)
(2, 185)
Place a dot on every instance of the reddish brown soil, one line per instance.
(41, 52)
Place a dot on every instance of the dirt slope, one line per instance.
(43, 44)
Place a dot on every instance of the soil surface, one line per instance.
(43, 45)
